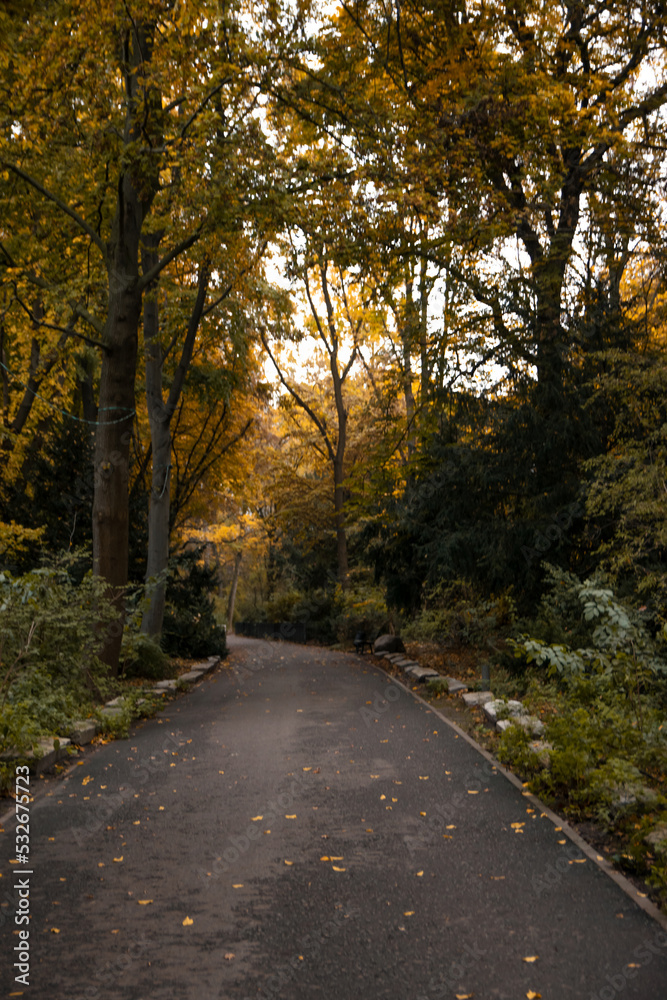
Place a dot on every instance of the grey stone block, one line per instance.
(422, 674)
(492, 709)
(478, 698)
(455, 686)
(170, 685)
(83, 732)
(192, 676)
(47, 753)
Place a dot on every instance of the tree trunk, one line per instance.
(339, 515)
(232, 593)
(112, 456)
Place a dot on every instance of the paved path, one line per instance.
(298, 827)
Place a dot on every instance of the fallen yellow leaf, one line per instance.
(515, 826)
(55, 930)
(144, 902)
(531, 958)
(533, 996)
(382, 797)
(464, 996)
(293, 816)
(239, 885)
(338, 869)
(256, 819)
(419, 874)
(423, 777)
(228, 956)
(473, 791)
(119, 859)
(188, 922)
(409, 913)
(422, 814)
(88, 778)
(289, 862)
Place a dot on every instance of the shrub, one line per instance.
(51, 631)
(190, 627)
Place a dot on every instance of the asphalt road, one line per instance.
(298, 826)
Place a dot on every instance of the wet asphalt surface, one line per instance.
(298, 826)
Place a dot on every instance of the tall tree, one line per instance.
(92, 132)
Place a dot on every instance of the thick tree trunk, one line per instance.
(112, 456)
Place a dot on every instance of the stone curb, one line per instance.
(83, 731)
(621, 881)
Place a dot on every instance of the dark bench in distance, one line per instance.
(362, 642)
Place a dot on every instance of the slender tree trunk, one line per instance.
(159, 415)
(232, 593)
(341, 533)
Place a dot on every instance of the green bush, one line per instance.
(607, 736)
(51, 631)
(142, 656)
(190, 627)
(456, 614)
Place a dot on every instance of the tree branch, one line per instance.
(180, 248)
(63, 206)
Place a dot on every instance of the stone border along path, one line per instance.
(493, 708)
(50, 751)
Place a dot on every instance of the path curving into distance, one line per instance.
(299, 826)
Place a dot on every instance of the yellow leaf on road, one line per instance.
(531, 958)
(289, 862)
(188, 922)
(119, 859)
(409, 913)
(338, 869)
(473, 791)
(256, 819)
(533, 996)
(55, 930)
(419, 874)
(423, 777)
(238, 885)
(144, 902)
(293, 816)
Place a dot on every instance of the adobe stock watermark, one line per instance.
(306, 951)
(554, 872)
(543, 541)
(240, 843)
(101, 810)
(454, 977)
(644, 954)
(443, 812)
(381, 704)
(111, 972)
